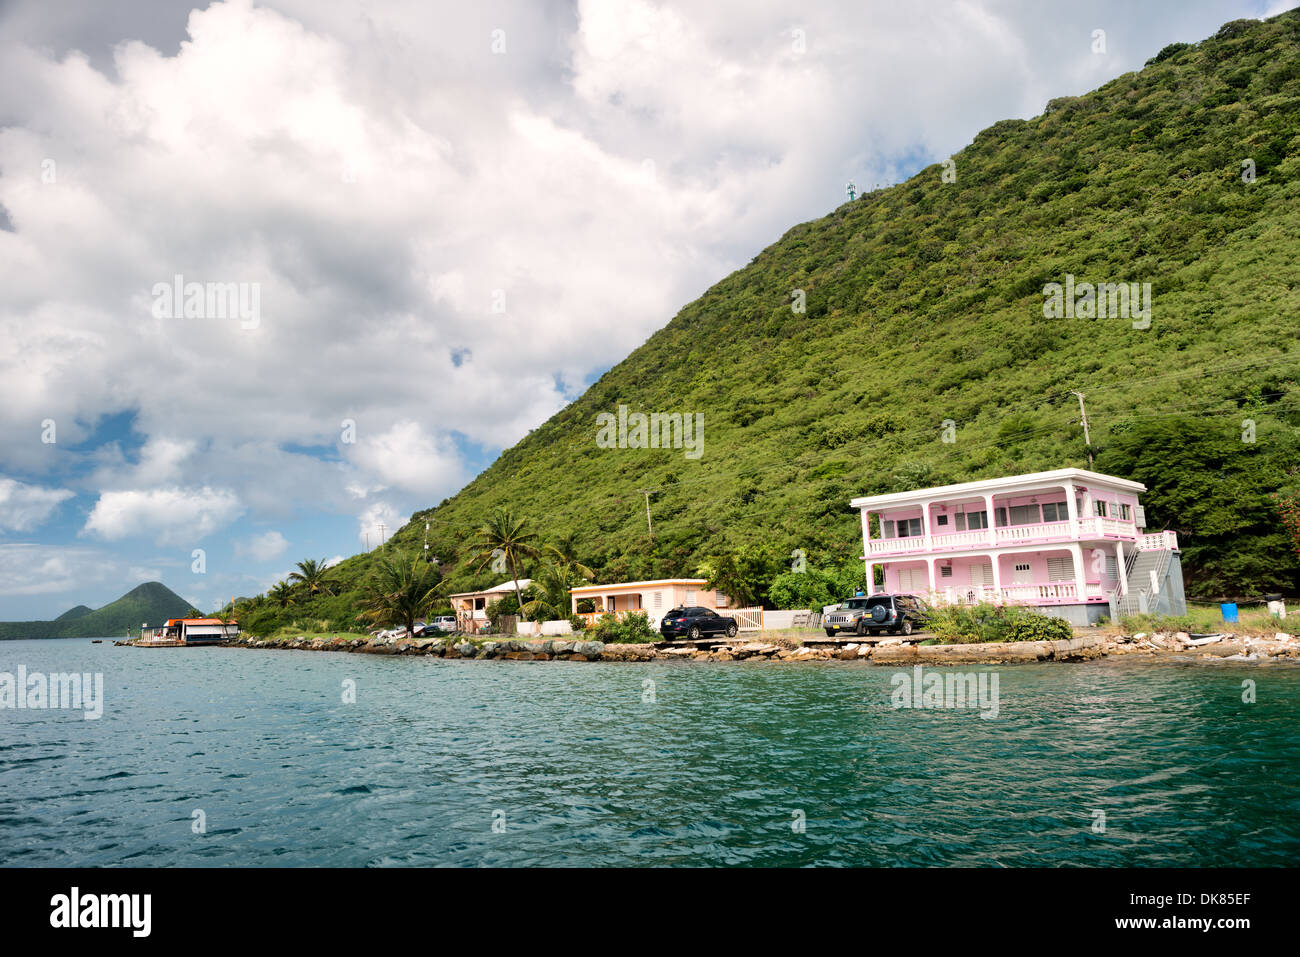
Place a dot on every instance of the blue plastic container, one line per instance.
(1229, 610)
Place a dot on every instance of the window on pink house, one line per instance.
(1060, 568)
(907, 528)
(1023, 515)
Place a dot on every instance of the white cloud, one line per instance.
(368, 522)
(23, 507)
(172, 515)
(33, 569)
(263, 547)
(409, 458)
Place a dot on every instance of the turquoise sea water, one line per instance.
(557, 763)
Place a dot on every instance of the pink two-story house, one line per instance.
(1071, 542)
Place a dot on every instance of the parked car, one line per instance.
(695, 622)
(871, 615)
(442, 625)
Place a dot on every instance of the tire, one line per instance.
(731, 630)
(907, 626)
(862, 628)
(693, 633)
(830, 632)
(878, 613)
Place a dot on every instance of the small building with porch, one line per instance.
(471, 607)
(1070, 542)
(654, 598)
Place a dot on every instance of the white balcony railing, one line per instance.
(1084, 529)
(979, 536)
(1158, 542)
(1037, 593)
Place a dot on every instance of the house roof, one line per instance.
(199, 621)
(646, 584)
(497, 589)
(1004, 484)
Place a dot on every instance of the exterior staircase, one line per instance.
(1142, 597)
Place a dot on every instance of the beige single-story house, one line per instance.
(654, 598)
(471, 607)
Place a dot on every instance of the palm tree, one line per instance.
(281, 594)
(401, 588)
(552, 587)
(311, 575)
(507, 537)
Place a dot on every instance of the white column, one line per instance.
(1123, 573)
(997, 575)
(932, 564)
(871, 578)
(1076, 556)
(990, 518)
(925, 525)
(866, 546)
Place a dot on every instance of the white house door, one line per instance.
(912, 580)
(981, 575)
(1020, 574)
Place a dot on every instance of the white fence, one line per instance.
(532, 629)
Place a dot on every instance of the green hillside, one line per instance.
(152, 602)
(925, 308)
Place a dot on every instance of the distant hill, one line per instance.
(152, 602)
(75, 613)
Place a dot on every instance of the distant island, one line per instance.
(152, 602)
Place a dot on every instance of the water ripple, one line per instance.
(565, 764)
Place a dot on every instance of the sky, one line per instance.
(405, 233)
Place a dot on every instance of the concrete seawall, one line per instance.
(887, 652)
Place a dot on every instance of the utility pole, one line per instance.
(646, 492)
(367, 534)
(1083, 420)
(382, 526)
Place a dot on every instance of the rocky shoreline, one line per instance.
(891, 651)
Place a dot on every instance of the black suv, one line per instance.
(872, 615)
(694, 622)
